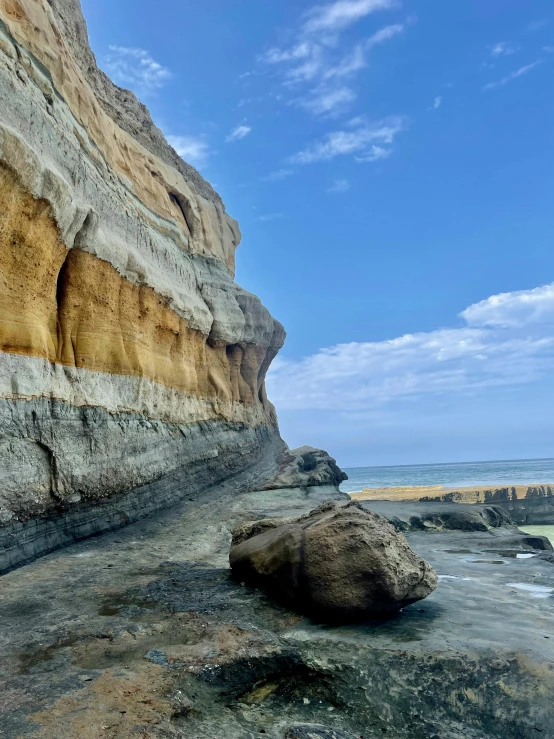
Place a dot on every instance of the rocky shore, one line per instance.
(144, 633)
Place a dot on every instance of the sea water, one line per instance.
(459, 474)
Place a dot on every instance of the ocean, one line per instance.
(459, 474)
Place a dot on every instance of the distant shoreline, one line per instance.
(456, 494)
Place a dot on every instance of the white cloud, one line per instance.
(279, 174)
(193, 149)
(317, 62)
(513, 76)
(339, 15)
(355, 60)
(503, 48)
(328, 101)
(437, 102)
(349, 64)
(374, 154)
(238, 133)
(508, 339)
(307, 71)
(363, 141)
(300, 51)
(515, 309)
(135, 68)
(384, 34)
(339, 186)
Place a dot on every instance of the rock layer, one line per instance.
(127, 351)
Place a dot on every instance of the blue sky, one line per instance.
(391, 167)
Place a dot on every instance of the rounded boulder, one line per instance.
(340, 562)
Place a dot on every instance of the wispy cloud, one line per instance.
(301, 50)
(135, 68)
(279, 174)
(339, 15)
(328, 101)
(316, 62)
(503, 48)
(238, 133)
(512, 76)
(437, 102)
(348, 65)
(339, 186)
(383, 35)
(356, 59)
(193, 149)
(507, 339)
(374, 154)
(366, 140)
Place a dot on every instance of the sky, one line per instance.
(391, 165)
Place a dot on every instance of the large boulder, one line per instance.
(338, 563)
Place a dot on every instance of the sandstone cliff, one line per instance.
(130, 359)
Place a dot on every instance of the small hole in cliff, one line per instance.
(61, 283)
(183, 207)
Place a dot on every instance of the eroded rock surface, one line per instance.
(316, 731)
(143, 633)
(339, 562)
(305, 467)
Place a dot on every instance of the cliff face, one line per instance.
(128, 353)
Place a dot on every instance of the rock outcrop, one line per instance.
(129, 357)
(303, 468)
(340, 562)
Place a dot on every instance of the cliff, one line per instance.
(130, 359)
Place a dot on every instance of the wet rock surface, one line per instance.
(144, 633)
(315, 731)
(338, 563)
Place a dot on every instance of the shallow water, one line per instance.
(460, 474)
(535, 591)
